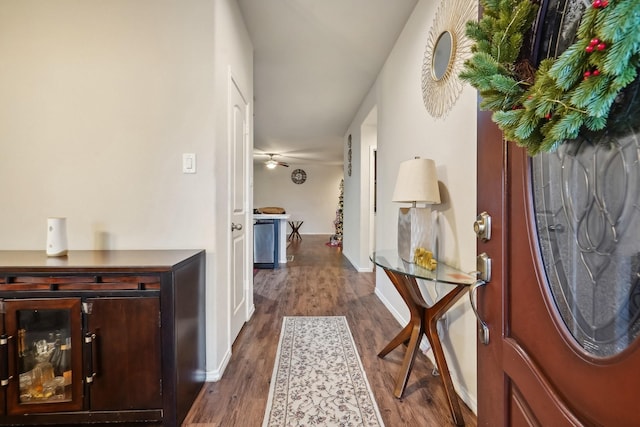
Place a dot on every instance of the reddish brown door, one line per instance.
(563, 303)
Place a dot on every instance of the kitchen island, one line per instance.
(282, 233)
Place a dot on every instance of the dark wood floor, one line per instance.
(319, 282)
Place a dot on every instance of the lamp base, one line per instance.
(414, 231)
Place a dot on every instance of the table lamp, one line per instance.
(417, 183)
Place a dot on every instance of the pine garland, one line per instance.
(541, 109)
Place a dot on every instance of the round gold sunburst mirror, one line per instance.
(446, 50)
(442, 56)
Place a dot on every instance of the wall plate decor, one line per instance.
(349, 156)
(446, 50)
(298, 176)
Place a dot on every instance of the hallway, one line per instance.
(319, 282)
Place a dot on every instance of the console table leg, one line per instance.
(430, 323)
(443, 369)
(402, 338)
(407, 363)
(416, 314)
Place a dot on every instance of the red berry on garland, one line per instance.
(596, 72)
(594, 42)
(589, 49)
(587, 74)
(547, 116)
(604, 3)
(597, 4)
(601, 46)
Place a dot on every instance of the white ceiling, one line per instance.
(314, 61)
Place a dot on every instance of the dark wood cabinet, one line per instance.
(127, 370)
(101, 337)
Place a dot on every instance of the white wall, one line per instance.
(314, 202)
(356, 245)
(98, 101)
(97, 104)
(406, 130)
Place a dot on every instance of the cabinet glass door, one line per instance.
(45, 355)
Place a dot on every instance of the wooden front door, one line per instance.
(563, 303)
(564, 356)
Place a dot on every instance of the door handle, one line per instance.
(91, 351)
(483, 332)
(4, 366)
(236, 227)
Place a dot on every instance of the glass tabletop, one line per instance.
(390, 260)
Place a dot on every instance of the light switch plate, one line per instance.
(188, 163)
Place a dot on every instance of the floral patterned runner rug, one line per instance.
(318, 379)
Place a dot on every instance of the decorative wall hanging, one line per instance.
(445, 53)
(349, 156)
(298, 176)
(541, 109)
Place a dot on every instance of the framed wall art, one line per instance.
(349, 155)
(298, 176)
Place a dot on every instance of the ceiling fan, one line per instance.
(271, 163)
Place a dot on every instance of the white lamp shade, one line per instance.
(417, 182)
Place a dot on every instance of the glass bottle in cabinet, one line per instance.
(45, 367)
(40, 370)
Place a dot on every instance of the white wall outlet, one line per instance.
(188, 163)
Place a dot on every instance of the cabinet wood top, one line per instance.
(81, 261)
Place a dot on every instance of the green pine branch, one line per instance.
(574, 91)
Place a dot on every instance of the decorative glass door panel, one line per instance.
(587, 196)
(587, 199)
(45, 355)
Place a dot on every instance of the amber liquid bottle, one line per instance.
(56, 356)
(65, 361)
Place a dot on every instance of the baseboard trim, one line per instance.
(216, 374)
(357, 267)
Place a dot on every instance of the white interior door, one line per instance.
(238, 192)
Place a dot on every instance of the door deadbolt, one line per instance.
(482, 226)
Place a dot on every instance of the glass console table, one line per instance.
(424, 317)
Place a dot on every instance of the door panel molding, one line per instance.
(521, 413)
(530, 380)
